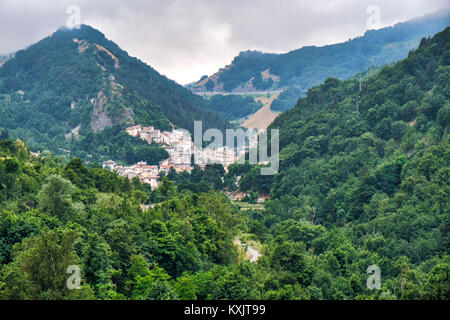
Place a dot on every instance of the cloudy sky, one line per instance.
(185, 39)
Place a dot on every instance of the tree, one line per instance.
(172, 175)
(443, 117)
(149, 284)
(210, 85)
(196, 174)
(77, 173)
(213, 178)
(55, 198)
(96, 259)
(438, 283)
(398, 129)
(4, 135)
(185, 287)
(167, 189)
(251, 197)
(39, 268)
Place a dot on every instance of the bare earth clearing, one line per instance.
(264, 116)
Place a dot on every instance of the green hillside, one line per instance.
(308, 66)
(232, 107)
(374, 173)
(363, 182)
(54, 215)
(77, 83)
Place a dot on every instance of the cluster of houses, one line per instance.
(146, 173)
(177, 143)
(180, 148)
(151, 135)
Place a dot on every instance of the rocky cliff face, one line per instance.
(100, 119)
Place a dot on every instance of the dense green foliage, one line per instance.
(364, 180)
(287, 99)
(311, 65)
(53, 216)
(233, 107)
(378, 179)
(242, 177)
(115, 143)
(72, 79)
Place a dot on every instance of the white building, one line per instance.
(109, 164)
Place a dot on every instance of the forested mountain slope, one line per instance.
(374, 164)
(363, 182)
(76, 83)
(55, 215)
(233, 107)
(396, 111)
(308, 66)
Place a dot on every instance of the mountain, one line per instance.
(363, 184)
(231, 106)
(360, 203)
(303, 68)
(376, 160)
(75, 90)
(353, 131)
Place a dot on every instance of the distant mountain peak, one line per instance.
(309, 66)
(83, 28)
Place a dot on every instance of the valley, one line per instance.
(99, 170)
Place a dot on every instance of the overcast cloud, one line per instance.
(185, 39)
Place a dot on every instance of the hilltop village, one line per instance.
(179, 146)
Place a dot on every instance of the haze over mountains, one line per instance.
(299, 70)
(76, 91)
(356, 206)
(363, 184)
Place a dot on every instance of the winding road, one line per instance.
(253, 253)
